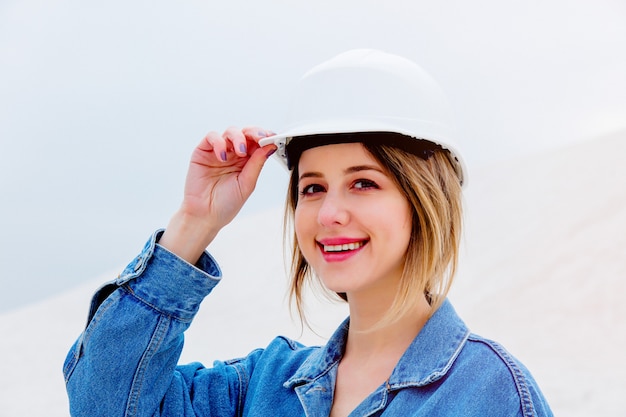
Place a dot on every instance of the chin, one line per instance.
(335, 286)
(338, 287)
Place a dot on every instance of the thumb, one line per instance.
(251, 171)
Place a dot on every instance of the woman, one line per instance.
(375, 200)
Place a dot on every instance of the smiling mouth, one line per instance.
(346, 247)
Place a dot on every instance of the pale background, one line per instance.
(100, 106)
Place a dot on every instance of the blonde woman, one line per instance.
(375, 205)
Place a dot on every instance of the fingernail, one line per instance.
(262, 133)
(223, 155)
(243, 148)
(270, 153)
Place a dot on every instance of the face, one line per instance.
(353, 224)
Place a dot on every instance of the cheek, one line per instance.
(394, 215)
(302, 225)
(402, 222)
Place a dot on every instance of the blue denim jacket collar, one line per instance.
(321, 360)
(427, 359)
(433, 351)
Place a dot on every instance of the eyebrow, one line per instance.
(350, 170)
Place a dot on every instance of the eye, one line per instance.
(311, 189)
(363, 184)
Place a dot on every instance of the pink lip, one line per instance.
(340, 256)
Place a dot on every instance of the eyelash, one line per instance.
(367, 184)
(304, 192)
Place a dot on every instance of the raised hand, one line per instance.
(222, 174)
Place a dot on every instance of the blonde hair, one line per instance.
(432, 188)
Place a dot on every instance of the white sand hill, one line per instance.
(543, 272)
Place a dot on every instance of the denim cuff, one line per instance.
(168, 283)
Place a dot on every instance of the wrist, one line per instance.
(187, 236)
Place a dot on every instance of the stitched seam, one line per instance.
(306, 380)
(435, 375)
(84, 338)
(242, 375)
(305, 409)
(68, 368)
(130, 291)
(106, 304)
(518, 376)
(139, 379)
(382, 405)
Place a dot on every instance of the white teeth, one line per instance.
(344, 247)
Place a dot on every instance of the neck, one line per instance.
(366, 338)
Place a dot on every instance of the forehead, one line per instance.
(339, 155)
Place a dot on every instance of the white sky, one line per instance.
(101, 105)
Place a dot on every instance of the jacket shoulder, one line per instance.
(501, 373)
(282, 353)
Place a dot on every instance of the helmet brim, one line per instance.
(407, 127)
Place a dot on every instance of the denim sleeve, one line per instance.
(124, 363)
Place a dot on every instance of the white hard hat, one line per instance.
(365, 90)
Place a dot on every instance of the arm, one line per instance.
(124, 363)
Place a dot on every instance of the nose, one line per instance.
(333, 211)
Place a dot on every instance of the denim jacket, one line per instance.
(125, 361)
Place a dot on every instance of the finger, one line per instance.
(251, 171)
(256, 133)
(237, 140)
(214, 142)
